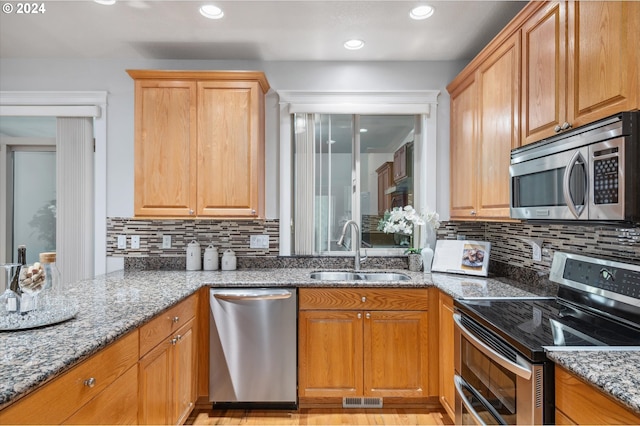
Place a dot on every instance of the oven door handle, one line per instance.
(519, 369)
(566, 183)
(460, 383)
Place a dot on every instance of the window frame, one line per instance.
(422, 103)
(91, 104)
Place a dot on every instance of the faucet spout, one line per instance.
(357, 259)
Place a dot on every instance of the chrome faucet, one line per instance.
(357, 259)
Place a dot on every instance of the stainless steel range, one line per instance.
(502, 373)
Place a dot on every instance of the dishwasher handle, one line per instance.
(276, 295)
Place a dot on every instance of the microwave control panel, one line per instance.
(606, 181)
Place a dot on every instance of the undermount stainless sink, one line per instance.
(359, 276)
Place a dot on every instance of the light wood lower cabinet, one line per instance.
(167, 371)
(579, 403)
(446, 352)
(363, 342)
(100, 390)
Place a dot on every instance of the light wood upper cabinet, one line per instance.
(603, 75)
(463, 170)
(544, 64)
(199, 143)
(498, 126)
(580, 64)
(484, 129)
(165, 147)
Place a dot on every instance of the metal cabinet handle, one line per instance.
(368, 315)
(566, 126)
(473, 212)
(90, 382)
(175, 320)
(557, 129)
(191, 212)
(253, 212)
(364, 299)
(359, 315)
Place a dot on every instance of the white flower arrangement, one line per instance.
(402, 220)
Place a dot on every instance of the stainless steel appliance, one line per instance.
(253, 347)
(589, 173)
(502, 373)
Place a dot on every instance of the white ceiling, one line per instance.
(253, 30)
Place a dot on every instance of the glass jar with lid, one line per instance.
(53, 291)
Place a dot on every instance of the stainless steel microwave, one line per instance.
(590, 173)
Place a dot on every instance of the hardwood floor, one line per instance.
(321, 416)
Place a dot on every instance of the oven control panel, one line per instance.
(618, 280)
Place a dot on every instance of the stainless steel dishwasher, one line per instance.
(253, 347)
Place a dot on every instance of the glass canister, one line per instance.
(53, 292)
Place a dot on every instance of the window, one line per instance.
(333, 167)
(80, 128)
(362, 165)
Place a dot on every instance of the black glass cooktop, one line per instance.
(531, 324)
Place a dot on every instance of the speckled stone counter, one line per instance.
(616, 373)
(114, 304)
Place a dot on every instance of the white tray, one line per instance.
(39, 318)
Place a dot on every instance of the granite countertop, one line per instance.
(616, 373)
(114, 304)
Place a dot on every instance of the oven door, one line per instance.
(494, 384)
(554, 186)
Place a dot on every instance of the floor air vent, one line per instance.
(359, 402)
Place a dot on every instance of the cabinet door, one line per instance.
(184, 373)
(603, 65)
(395, 354)
(230, 149)
(155, 386)
(463, 167)
(385, 181)
(498, 126)
(330, 353)
(400, 163)
(165, 154)
(544, 49)
(446, 354)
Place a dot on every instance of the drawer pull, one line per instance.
(90, 382)
(359, 315)
(368, 315)
(364, 299)
(173, 341)
(175, 320)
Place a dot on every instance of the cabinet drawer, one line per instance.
(116, 405)
(56, 401)
(159, 328)
(364, 298)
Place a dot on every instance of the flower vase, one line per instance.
(427, 259)
(415, 262)
(430, 237)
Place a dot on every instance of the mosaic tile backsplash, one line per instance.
(509, 246)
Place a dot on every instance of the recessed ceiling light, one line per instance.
(421, 12)
(105, 2)
(363, 130)
(353, 44)
(210, 11)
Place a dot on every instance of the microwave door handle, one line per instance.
(566, 190)
(520, 370)
(459, 383)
